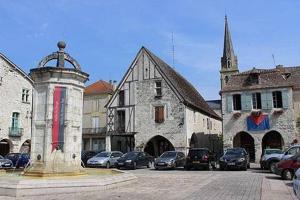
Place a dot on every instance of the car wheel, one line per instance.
(107, 165)
(134, 165)
(272, 167)
(248, 166)
(186, 167)
(221, 168)
(287, 175)
(245, 168)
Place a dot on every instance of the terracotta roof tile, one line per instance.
(99, 87)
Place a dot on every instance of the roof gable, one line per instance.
(18, 69)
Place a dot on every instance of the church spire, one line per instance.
(229, 60)
(229, 64)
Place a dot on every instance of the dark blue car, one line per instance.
(18, 159)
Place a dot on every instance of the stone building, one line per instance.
(155, 109)
(260, 107)
(15, 108)
(95, 98)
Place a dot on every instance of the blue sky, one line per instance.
(104, 36)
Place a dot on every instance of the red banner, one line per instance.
(58, 118)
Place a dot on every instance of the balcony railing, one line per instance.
(100, 130)
(15, 132)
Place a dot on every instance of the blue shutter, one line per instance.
(285, 99)
(269, 100)
(246, 101)
(264, 102)
(229, 103)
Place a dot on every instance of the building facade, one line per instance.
(95, 98)
(15, 108)
(260, 107)
(155, 109)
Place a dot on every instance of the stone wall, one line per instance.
(283, 123)
(12, 82)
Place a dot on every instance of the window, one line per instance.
(158, 88)
(277, 99)
(121, 120)
(121, 98)
(256, 100)
(15, 120)
(25, 95)
(159, 114)
(237, 102)
(95, 122)
(226, 79)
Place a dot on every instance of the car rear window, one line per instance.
(198, 152)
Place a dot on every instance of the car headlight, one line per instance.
(241, 159)
(128, 161)
(222, 159)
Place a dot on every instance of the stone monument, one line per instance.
(57, 116)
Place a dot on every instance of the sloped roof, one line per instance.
(99, 87)
(268, 78)
(25, 75)
(186, 90)
(214, 104)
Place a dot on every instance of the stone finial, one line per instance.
(61, 45)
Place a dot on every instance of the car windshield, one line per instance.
(1, 157)
(103, 155)
(12, 155)
(234, 152)
(130, 155)
(271, 151)
(168, 154)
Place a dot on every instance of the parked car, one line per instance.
(286, 168)
(266, 155)
(133, 160)
(296, 183)
(170, 160)
(5, 163)
(235, 158)
(272, 159)
(200, 158)
(85, 155)
(104, 159)
(18, 159)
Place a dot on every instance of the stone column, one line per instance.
(57, 116)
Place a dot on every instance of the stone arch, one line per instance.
(5, 146)
(26, 146)
(157, 145)
(245, 140)
(272, 139)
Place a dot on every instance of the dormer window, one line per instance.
(158, 89)
(228, 63)
(254, 78)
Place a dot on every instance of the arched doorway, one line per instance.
(157, 145)
(25, 148)
(5, 145)
(194, 141)
(245, 140)
(272, 139)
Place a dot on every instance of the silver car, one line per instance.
(104, 159)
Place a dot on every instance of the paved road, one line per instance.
(195, 185)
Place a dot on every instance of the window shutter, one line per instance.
(264, 101)
(161, 114)
(156, 114)
(269, 100)
(246, 100)
(229, 103)
(285, 99)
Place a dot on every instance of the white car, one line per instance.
(296, 183)
(104, 159)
